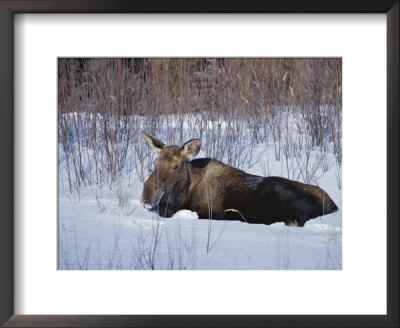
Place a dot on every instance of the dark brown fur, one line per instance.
(220, 192)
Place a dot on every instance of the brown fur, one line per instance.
(217, 191)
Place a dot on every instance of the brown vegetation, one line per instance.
(235, 103)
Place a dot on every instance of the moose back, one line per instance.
(220, 192)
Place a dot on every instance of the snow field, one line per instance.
(107, 228)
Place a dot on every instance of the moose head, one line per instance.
(167, 187)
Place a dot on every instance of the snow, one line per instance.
(98, 232)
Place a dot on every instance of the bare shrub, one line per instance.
(232, 104)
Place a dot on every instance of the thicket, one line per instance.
(233, 104)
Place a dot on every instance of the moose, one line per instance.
(220, 192)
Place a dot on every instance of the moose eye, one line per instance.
(175, 167)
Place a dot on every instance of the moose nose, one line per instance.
(145, 202)
(144, 199)
(146, 196)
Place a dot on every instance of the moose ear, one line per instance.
(154, 144)
(191, 148)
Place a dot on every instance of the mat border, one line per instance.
(10, 7)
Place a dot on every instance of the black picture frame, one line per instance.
(10, 7)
